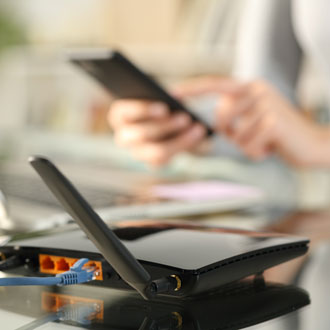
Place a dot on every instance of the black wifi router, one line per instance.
(154, 259)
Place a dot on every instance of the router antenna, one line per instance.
(97, 231)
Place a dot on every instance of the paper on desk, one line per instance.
(205, 191)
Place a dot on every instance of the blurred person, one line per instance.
(259, 116)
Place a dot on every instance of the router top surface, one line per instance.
(181, 246)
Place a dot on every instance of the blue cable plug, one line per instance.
(75, 275)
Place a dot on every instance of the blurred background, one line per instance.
(42, 94)
(49, 107)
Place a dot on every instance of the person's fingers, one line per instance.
(123, 111)
(246, 126)
(152, 130)
(208, 84)
(160, 153)
(259, 144)
(229, 110)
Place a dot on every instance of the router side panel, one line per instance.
(244, 266)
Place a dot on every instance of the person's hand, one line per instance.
(151, 132)
(253, 115)
(261, 121)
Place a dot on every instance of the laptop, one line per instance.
(118, 195)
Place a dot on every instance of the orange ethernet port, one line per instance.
(96, 267)
(62, 265)
(49, 264)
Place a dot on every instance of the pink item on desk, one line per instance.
(204, 191)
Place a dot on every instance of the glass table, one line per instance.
(294, 296)
(235, 306)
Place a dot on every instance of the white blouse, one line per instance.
(275, 35)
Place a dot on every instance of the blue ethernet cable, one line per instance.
(75, 275)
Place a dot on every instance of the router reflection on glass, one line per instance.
(158, 259)
(235, 306)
